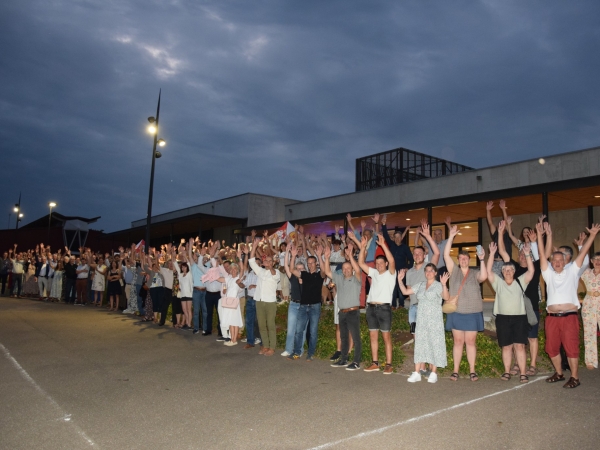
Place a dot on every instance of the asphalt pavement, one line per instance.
(81, 377)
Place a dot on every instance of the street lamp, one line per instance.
(51, 205)
(153, 129)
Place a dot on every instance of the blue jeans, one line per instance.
(412, 314)
(308, 315)
(199, 304)
(291, 329)
(140, 300)
(250, 319)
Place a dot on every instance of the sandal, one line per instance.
(473, 376)
(532, 371)
(554, 378)
(572, 383)
(454, 377)
(506, 376)
(524, 379)
(515, 370)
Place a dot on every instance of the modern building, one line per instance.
(409, 186)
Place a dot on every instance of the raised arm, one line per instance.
(376, 220)
(588, 243)
(350, 257)
(362, 254)
(388, 254)
(384, 230)
(512, 237)
(501, 247)
(542, 250)
(530, 268)
(425, 231)
(406, 290)
(488, 214)
(491, 276)
(325, 267)
(349, 220)
(449, 261)
(290, 261)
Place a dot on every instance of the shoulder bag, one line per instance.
(230, 302)
(531, 317)
(451, 305)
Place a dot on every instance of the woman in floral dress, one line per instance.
(430, 341)
(590, 312)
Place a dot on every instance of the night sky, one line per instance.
(278, 97)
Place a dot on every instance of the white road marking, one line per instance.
(418, 418)
(64, 416)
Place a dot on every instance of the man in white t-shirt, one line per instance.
(562, 322)
(379, 301)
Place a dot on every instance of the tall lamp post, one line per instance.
(17, 211)
(51, 205)
(153, 129)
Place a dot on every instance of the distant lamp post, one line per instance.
(51, 205)
(153, 129)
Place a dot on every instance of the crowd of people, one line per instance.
(367, 271)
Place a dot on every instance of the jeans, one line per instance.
(291, 329)
(199, 304)
(17, 280)
(140, 300)
(212, 300)
(70, 292)
(350, 323)
(307, 315)
(412, 313)
(250, 319)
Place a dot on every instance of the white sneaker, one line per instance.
(432, 378)
(285, 353)
(244, 340)
(415, 376)
(257, 341)
(127, 311)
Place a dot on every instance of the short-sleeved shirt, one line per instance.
(348, 290)
(311, 288)
(414, 276)
(382, 286)
(509, 297)
(562, 287)
(469, 299)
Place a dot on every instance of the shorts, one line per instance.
(565, 331)
(533, 331)
(512, 329)
(379, 317)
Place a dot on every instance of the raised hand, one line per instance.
(509, 220)
(348, 217)
(376, 217)
(453, 231)
(384, 219)
(448, 221)
(540, 228)
(531, 235)
(489, 206)
(548, 229)
(580, 240)
(594, 230)
(363, 242)
(381, 240)
(363, 225)
(444, 278)
(401, 274)
(493, 248)
(327, 252)
(349, 251)
(541, 218)
(502, 204)
(501, 226)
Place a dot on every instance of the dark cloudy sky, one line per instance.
(278, 97)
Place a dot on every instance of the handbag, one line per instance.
(230, 302)
(451, 305)
(531, 317)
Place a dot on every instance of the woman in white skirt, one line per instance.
(230, 317)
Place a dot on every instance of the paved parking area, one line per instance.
(79, 377)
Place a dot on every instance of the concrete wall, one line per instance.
(258, 209)
(264, 209)
(574, 165)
